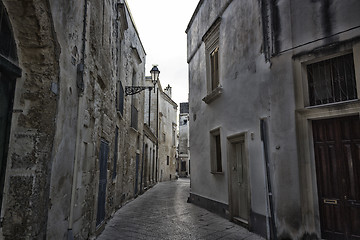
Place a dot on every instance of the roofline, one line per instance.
(133, 22)
(194, 14)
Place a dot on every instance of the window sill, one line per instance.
(135, 130)
(332, 104)
(213, 95)
(217, 173)
(119, 114)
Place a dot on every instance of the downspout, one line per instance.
(80, 87)
(264, 139)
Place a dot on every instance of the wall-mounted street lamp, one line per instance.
(131, 90)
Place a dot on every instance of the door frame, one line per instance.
(306, 158)
(343, 203)
(233, 139)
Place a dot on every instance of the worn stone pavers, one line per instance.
(163, 213)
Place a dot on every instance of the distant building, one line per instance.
(160, 134)
(167, 135)
(274, 112)
(183, 149)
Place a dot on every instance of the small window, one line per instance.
(134, 117)
(167, 160)
(215, 153)
(332, 80)
(213, 63)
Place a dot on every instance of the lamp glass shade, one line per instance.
(155, 74)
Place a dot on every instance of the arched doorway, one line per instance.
(27, 41)
(9, 71)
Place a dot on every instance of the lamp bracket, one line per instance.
(131, 90)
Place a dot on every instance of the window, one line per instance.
(134, 117)
(183, 166)
(120, 100)
(332, 80)
(214, 68)
(167, 160)
(134, 110)
(115, 152)
(211, 40)
(215, 153)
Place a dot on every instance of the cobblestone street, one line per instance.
(163, 213)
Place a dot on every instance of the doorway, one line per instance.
(9, 71)
(337, 160)
(7, 88)
(239, 196)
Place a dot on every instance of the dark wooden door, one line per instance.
(137, 172)
(337, 157)
(7, 87)
(103, 157)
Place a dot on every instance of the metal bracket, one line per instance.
(131, 90)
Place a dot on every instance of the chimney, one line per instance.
(167, 90)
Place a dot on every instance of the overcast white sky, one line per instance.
(161, 25)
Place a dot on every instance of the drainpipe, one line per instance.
(263, 129)
(80, 87)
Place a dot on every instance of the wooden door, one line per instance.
(337, 157)
(239, 190)
(103, 157)
(137, 172)
(7, 87)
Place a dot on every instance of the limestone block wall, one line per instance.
(72, 56)
(167, 146)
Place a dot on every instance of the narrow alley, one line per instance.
(163, 213)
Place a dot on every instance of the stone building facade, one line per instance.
(167, 135)
(183, 149)
(160, 134)
(274, 111)
(72, 142)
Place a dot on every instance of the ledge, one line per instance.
(213, 95)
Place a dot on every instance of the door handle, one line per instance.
(330, 201)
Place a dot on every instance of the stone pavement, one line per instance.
(163, 213)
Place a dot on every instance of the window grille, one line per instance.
(332, 80)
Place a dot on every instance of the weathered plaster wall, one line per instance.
(62, 113)
(243, 80)
(301, 31)
(26, 189)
